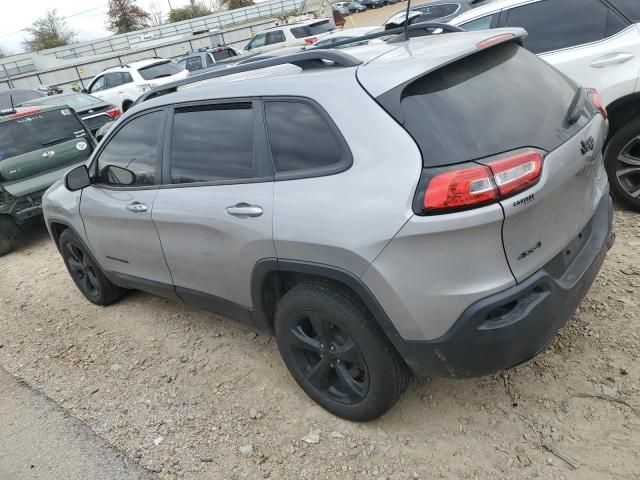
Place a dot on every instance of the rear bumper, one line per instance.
(513, 326)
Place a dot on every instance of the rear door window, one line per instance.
(39, 130)
(212, 143)
(496, 100)
(301, 139)
(113, 80)
(276, 36)
(159, 70)
(629, 8)
(556, 24)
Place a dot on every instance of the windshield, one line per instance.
(77, 102)
(159, 70)
(37, 131)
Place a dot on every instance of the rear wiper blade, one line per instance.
(56, 140)
(575, 109)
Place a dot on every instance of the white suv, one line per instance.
(292, 35)
(597, 43)
(122, 85)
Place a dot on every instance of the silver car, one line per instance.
(437, 205)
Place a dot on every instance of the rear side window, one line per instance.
(301, 139)
(556, 24)
(135, 148)
(497, 100)
(629, 8)
(212, 143)
(223, 54)
(39, 130)
(316, 28)
(159, 70)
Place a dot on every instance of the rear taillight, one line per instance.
(310, 40)
(114, 112)
(478, 184)
(596, 99)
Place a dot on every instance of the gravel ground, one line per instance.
(187, 394)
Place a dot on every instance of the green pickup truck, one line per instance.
(37, 146)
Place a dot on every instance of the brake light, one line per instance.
(114, 112)
(310, 40)
(596, 99)
(475, 185)
(490, 42)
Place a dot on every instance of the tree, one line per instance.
(155, 13)
(193, 10)
(125, 16)
(233, 4)
(49, 31)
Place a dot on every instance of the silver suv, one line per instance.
(438, 206)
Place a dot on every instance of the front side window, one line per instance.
(135, 148)
(556, 24)
(212, 143)
(300, 138)
(483, 23)
(98, 85)
(258, 41)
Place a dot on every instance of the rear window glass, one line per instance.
(159, 70)
(497, 100)
(37, 131)
(312, 29)
(630, 8)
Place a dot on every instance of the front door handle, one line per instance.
(137, 207)
(612, 59)
(244, 210)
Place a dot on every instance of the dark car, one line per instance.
(356, 7)
(93, 111)
(16, 96)
(434, 11)
(371, 3)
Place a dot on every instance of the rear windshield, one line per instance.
(630, 8)
(38, 130)
(160, 70)
(77, 102)
(317, 28)
(497, 100)
(17, 97)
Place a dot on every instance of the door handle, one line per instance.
(612, 59)
(244, 210)
(137, 207)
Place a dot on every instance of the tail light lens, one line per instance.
(310, 40)
(114, 113)
(596, 99)
(475, 185)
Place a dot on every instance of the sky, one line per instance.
(85, 17)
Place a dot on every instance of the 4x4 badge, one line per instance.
(48, 154)
(587, 145)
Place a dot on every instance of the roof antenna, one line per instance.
(13, 108)
(406, 21)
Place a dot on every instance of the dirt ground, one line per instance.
(189, 395)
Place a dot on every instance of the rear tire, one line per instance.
(86, 273)
(336, 353)
(622, 162)
(9, 233)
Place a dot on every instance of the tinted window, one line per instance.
(212, 143)
(226, 53)
(496, 100)
(300, 137)
(312, 29)
(18, 97)
(275, 37)
(160, 70)
(39, 130)
(555, 24)
(192, 63)
(134, 147)
(113, 80)
(630, 8)
(483, 23)
(258, 41)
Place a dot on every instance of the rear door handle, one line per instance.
(137, 207)
(612, 59)
(244, 210)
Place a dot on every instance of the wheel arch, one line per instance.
(621, 111)
(272, 278)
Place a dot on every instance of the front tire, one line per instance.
(336, 353)
(622, 162)
(86, 273)
(9, 233)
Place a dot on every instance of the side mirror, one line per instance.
(77, 179)
(118, 175)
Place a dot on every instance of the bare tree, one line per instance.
(49, 31)
(125, 16)
(155, 12)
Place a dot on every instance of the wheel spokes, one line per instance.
(352, 388)
(623, 172)
(627, 156)
(303, 341)
(320, 326)
(74, 264)
(318, 375)
(349, 353)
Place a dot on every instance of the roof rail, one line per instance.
(304, 60)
